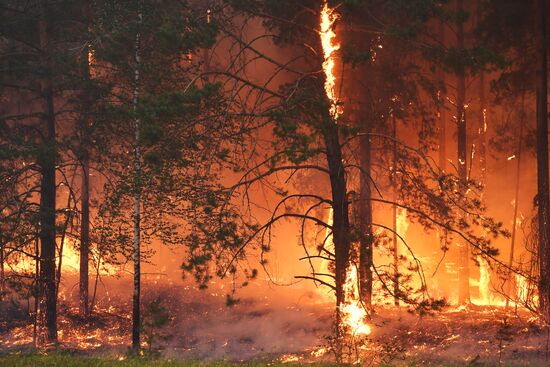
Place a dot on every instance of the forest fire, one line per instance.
(276, 181)
(330, 47)
(354, 313)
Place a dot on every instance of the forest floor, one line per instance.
(202, 328)
(68, 360)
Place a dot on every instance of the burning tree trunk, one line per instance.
(542, 161)
(47, 159)
(463, 271)
(137, 190)
(338, 185)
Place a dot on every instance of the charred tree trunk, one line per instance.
(136, 319)
(365, 220)
(47, 161)
(542, 161)
(85, 181)
(84, 237)
(340, 225)
(2, 273)
(464, 270)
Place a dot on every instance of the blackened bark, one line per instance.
(365, 220)
(2, 273)
(136, 318)
(46, 162)
(542, 161)
(84, 237)
(85, 182)
(341, 226)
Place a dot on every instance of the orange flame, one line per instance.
(353, 311)
(484, 281)
(330, 46)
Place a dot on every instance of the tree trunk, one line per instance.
(365, 219)
(341, 226)
(37, 290)
(464, 270)
(84, 237)
(136, 320)
(542, 161)
(2, 273)
(441, 109)
(84, 254)
(395, 198)
(482, 129)
(516, 203)
(442, 237)
(47, 188)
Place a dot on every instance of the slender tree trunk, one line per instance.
(341, 226)
(84, 237)
(442, 275)
(542, 161)
(47, 188)
(482, 129)
(136, 320)
(340, 222)
(464, 270)
(395, 198)
(516, 203)
(84, 254)
(365, 219)
(2, 273)
(441, 109)
(37, 290)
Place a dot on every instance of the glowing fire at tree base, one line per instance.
(354, 314)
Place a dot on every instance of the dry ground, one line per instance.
(203, 328)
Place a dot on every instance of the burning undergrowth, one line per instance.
(198, 325)
(281, 326)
